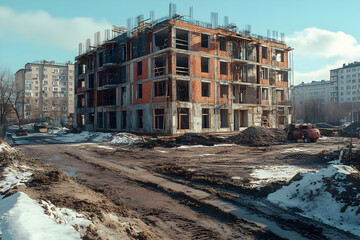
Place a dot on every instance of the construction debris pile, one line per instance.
(186, 139)
(259, 136)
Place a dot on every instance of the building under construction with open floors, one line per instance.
(177, 75)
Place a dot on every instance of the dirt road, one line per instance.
(194, 192)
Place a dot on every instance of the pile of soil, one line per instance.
(197, 139)
(259, 136)
(186, 139)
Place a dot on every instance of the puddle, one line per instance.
(70, 171)
(245, 213)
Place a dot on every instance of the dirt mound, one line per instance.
(259, 136)
(197, 139)
(186, 139)
(47, 178)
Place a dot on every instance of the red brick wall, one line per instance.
(145, 69)
(146, 93)
(196, 92)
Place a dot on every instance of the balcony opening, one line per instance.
(223, 44)
(100, 121)
(81, 101)
(224, 118)
(90, 96)
(264, 94)
(139, 68)
(100, 59)
(91, 118)
(139, 90)
(112, 120)
(205, 64)
(224, 91)
(122, 74)
(279, 55)
(91, 81)
(106, 97)
(123, 96)
(138, 46)
(205, 40)
(161, 39)
(160, 88)
(160, 66)
(183, 118)
(182, 39)
(223, 68)
(239, 94)
(205, 89)
(159, 119)
(264, 52)
(140, 123)
(205, 118)
(182, 90)
(123, 119)
(280, 97)
(264, 73)
(265, 119)
(81, 83)
(182, 64)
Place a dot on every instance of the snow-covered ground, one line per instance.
(268, 174)
(329, 195)
(124, 138)
(86, 136)
(24, 218)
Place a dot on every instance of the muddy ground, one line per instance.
(187, 192)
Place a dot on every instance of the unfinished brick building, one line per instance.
(176, 75)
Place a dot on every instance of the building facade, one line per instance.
(345, 83)
(48, 90)
(174, 76)
(310, 97)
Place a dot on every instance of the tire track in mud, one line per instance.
(188, 196)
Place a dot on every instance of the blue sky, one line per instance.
(323, 33)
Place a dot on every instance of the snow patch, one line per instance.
(14, 177)
(85, 136)
(124, 138)
(23, 218)
(270, 174)
(67, 217)
(310, 195)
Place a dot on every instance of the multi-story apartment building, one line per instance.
(305, 95)
(177, 75)
(345, 83)
(48, 90)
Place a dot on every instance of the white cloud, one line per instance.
(41, 27)
(323, 44)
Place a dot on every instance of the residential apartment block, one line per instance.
(48, 90)
(345, 83)
(178, 75)
(305, 95)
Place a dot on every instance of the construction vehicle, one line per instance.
(306, 132)
(21, 132)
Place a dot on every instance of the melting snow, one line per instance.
(310, 195)
(124, 138)
(276, 173)
(23, 218)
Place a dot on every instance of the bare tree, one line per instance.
(10, 98)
